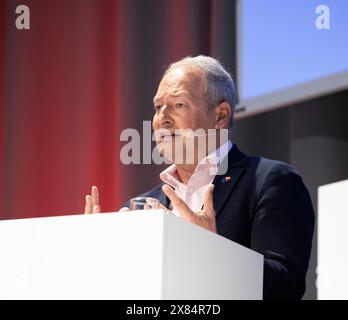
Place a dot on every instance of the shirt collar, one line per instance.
(211, 161)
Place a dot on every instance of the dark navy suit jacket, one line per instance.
(266, 207)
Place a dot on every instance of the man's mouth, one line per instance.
(168, 135)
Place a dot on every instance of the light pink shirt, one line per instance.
(205, 172)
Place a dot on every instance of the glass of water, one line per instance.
(144, 203)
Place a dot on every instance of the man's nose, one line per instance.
(164, 109)
(164, 116)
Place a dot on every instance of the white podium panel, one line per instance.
(132, 255)
(332, 269)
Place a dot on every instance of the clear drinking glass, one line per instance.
(144, 203)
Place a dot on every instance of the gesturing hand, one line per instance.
(92, 202)
(204, 218)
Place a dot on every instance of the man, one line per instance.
(259, 203)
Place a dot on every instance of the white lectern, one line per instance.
(132, 255)
(332, 282)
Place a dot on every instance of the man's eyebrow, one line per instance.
(172, 95)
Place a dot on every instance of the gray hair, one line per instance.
(219, 85)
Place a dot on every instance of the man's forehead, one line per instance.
(179, 81)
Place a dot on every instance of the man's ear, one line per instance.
(223, 115)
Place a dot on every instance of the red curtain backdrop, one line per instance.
(60, 107)
(86, 70)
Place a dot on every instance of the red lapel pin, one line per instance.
(227, 179)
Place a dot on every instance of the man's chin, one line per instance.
(168, 152)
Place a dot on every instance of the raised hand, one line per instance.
(204, 218)
(92, 201)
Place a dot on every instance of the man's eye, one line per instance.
(157, 108)
(179, 106)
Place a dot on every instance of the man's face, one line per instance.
(180, 104)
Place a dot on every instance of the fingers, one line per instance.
(95, 196)
(96, 209)
(182, 207)
(204, 218)
(208, 201)
(92, 202)
(95, 200)
(88, 205)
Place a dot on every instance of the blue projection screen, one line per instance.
(289, 51)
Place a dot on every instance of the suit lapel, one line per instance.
(225, 183)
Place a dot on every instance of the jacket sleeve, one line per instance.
(282, 231)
